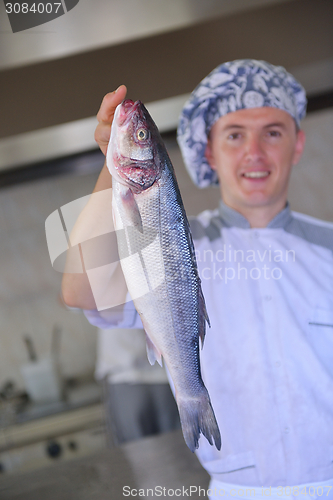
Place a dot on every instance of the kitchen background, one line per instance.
(52, 79)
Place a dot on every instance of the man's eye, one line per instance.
(234, 136)
(274, 133)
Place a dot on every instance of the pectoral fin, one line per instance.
(203, 317)
(132, 209)
(152, 352)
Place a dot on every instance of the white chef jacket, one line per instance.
(267, 359)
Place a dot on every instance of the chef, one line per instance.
(267, 278)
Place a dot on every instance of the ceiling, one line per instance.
(53, 77)
(94, 24)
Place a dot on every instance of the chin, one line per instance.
(257, 199)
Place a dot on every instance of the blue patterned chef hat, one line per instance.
(241, 84)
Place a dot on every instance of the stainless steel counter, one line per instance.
(157, 462)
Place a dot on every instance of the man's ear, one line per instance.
(299, 147)
(209, 155)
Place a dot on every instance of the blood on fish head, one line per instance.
(125, 110)
(134, 137)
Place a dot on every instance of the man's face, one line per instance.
(253, 151)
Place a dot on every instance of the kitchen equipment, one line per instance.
(54, 438)
(42, 377)
(159, 464)
(42, 380)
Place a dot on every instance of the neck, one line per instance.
(259, 216)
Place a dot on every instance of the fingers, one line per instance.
(105, 116)
(109, 104)
(102, 136)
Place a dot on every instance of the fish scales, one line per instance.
(158, 261)
(171, 228)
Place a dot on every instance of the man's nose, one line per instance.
(253, 149)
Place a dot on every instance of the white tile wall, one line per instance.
(68, 188)
(312, 179)
(10, 279)
(29, 286)
(77, 338)
(26, 205)
(195, 200)
(14, 322)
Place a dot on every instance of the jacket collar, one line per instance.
(232, 218)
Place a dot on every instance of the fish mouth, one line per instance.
(126, 109)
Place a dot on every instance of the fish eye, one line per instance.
(142, 134)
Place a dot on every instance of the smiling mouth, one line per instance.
(256, 175)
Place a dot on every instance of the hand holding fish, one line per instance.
(76, 289)
(105, 116)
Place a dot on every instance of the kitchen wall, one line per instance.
(312, 179)
(29, 287)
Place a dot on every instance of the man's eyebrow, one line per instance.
(228, 127)
(276, 124)
(236, 126)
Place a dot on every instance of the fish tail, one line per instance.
(197, 415)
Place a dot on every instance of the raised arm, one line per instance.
(95, 219)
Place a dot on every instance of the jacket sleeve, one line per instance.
(124, 316)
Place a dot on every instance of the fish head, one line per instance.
(132, 150)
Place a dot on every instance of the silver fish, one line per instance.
(158, 261)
